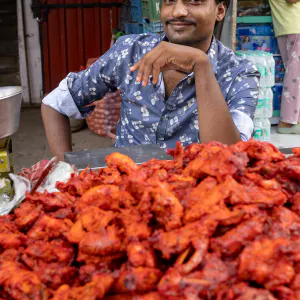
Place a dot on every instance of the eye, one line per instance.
(195, 1)
(168, 2)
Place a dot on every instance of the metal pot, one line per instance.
(10, 109)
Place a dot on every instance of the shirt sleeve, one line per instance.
(242, 100)
(78, 90)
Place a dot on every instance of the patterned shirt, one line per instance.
(146, 116)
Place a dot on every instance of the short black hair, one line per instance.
(227, 2)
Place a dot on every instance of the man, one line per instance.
(186, 87)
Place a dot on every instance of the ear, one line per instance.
(221, 11)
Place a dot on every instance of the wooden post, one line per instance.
(234, 19)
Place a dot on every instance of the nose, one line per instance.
(180, 10)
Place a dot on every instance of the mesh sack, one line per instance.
(104, 118)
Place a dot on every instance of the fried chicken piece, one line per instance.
(106, 197)
(57, 251)
(140, 280)
(51, 261)
(284, 223)
(12, 240)
(20, 284)
(98, 260)
(242, 194)
(122, 162)
(200, 249)
(296, 203)
(177, 182)
(149, 296)
(91, 219)
(262, 151)
(242, 291)
(233, 241)
(86, 272)
(110, 176)
(136, 227)
(284, 293)
(295, 284)
(27, 214)
(263, 262)
(96, 289)
(105, 242)
(10, 237)
(199, 192)
(217, 161)
(296, 152)
(53, 275)
(211, 200)
(165, 206)
(77, 185)
(140, 254)
(7, 225)
(176, 241)
(49, 228)
(51, 201)
(63, 213)
(205, 282)
(11, 254)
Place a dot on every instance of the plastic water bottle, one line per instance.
(264, 107)
(258, 130)
(266, 130)
(260, 108)
(268, 107)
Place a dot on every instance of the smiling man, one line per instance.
(185, 86)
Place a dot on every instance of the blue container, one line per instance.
(133, 28)
(255, 30)
(136, 10)
(277, 91)
(256, 37)
(154, 27)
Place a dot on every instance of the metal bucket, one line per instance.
(10, 109)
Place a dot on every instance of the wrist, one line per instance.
(202, 62)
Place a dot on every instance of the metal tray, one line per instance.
(96, 158)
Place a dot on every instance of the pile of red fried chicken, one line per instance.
(217, 222)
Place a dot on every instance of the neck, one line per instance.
(203, 45)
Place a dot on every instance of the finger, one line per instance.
(157, 68)
(135, 66)
(148, 67)
(146, 72)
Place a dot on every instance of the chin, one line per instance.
(181, 40)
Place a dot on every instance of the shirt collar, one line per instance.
(212, 52)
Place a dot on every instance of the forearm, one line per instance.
(215, 121)
(58, 131)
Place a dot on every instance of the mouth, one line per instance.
(179, 25)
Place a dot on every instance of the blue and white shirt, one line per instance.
(146, 116)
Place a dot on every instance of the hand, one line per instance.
(167, 56)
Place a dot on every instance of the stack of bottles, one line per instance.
(266, 65)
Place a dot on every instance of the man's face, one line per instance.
(190, 22)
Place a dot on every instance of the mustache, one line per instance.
(183, 20)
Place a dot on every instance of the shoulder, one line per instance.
(141, 40)
(228, 60)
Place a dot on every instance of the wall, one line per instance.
(9, 56)
(30, 54)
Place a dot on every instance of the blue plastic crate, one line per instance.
(136, 11)
(153, 27)
(133, 28)
(255, 30)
